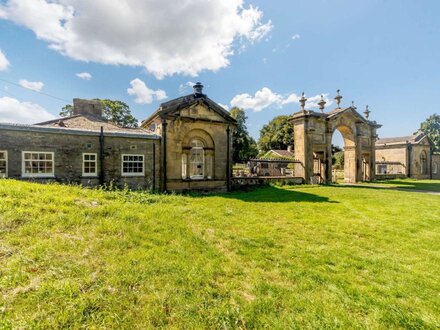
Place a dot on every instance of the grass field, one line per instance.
(275, 258)
(430, 185)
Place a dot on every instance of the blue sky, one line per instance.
(384, 53)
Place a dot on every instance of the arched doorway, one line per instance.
(347, 144)
(313, 132)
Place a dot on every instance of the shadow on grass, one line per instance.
(270, 194)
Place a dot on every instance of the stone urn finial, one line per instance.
(338, 98)
(322, 104)
(367, 112)
(303, 101)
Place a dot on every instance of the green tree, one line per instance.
(115, 111)
(277, 134)
(244, 145)
(431, 126)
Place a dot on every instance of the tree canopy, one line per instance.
(244, 145)
(115, 111)
(277, 134)
(431, 126)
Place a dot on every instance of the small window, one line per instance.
(132, 165)
(382, 169)
(37, 164)
(90, 167)
(3, 164)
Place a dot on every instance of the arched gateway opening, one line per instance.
(313, 142)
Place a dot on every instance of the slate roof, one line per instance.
(412, 139)
(283, 153)
(91, 123)
(169, 107)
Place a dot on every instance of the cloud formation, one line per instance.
(15, 111)
(4, 63)
(165, 37)
(143, 94)
(32, 85)
(265, 98)
(262, 99)
(84, 75)
(296, 36)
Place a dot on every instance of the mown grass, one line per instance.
(277, 258)
(427, 185)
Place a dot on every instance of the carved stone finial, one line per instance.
(303, 101)
(352, 105)
(367, 112)
(338, 99)
(322, 104)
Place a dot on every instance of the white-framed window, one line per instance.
(3, 164)
(197, 160)
(132, 165)
(90, 164)
(37, 164)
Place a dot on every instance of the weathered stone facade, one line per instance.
(188, 148)
(313, 133)
(196, 143)
(408, 156)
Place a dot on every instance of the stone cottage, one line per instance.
(184, 145)
(407, 156)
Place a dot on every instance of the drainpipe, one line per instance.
(431, 152)
(154, 167)
(164, 154)
(408, 150)
(101, 157)
(228, 172)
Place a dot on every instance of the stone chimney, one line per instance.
(289, 148)
(87, 107)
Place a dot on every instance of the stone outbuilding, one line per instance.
(185, 145)
(407, 156)
(196, 142)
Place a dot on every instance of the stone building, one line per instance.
(184, 145)
(196, 142)
(407, 156)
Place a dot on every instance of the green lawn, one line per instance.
(430, 185)
(275, 258)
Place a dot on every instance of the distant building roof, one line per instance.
(91, 123)
(278, 153)
(411, 139)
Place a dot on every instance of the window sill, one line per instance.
(38, 177)
(139, 175)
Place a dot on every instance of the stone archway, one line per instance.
(313, 133)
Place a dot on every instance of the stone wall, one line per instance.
(68, 148)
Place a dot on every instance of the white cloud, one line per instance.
(4, 63)
(145, 95)
(262, 99)
(143, 33)
(296, 36)
(32, 85)
(224, 106)
(265, 98)
(15, 111)
(183, 88)
(84, 75)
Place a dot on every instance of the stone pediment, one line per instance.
(194, 107)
